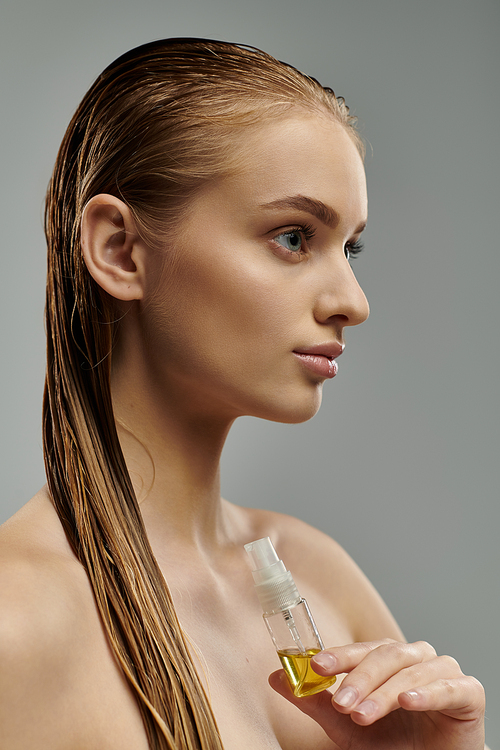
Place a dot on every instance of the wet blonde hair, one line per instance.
(155, 127)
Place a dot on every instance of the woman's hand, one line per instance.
(396, 696)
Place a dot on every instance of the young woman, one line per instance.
(203, 208)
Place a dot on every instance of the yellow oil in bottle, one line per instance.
(302, 677)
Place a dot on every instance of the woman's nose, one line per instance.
(341, 299)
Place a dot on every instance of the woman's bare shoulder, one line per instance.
(327, 569)
(35, 556)
(40, 583)
(34, 551)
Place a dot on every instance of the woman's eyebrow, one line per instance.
(320, 210)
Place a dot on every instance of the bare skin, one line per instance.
(61, 687)
(211, 333)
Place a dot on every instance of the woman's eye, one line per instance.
(291, 240)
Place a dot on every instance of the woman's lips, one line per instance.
(322, 366)
(320, 359)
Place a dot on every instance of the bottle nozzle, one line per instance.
(262, 553)
(274, 584)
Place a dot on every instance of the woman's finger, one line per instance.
(371, 666)
(433, 675)
(462, 698)
(346, 658)
(371, 705)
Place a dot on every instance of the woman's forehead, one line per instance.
(281, 161)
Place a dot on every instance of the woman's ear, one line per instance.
(112, 248)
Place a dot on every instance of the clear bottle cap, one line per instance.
(274, 584)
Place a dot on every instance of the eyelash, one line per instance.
(352, 249)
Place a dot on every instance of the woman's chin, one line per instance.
(294, 410)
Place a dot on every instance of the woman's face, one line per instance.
(257, 290)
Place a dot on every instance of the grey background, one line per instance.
(401, 464)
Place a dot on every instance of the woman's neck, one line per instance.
(173, 455)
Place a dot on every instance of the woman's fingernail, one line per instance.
(367, 708)
(412, 695)
(326, 661)
(346, 697)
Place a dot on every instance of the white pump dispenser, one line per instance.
(274, 584)
(288, 619)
